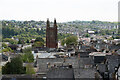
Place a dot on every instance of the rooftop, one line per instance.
(61, 73)
(84, 73)
(97, 54)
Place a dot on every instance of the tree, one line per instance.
(62, 36)
(27, 50)
(39, 39)
(4, 45)
(63, 42)
(14, 67)
(87, 35)
(70, 40)
(117, 37)
(38, 44)
(8, 49)
(27, 41)
(29, 69)
(19, 42)
(27, 55)
(10, 40)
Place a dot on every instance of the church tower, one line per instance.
(51, 35)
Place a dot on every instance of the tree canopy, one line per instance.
(29, 69)
(38, 44)
(10, 40)
(14, 67)
(39, 39)
(70, 40)
(27, 55)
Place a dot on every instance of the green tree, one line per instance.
(62, 36)
(87, 35)
(27, 50)
(39, 39)
(4, 45)
(14, 67)
(38, 44)
(117, 37)
(27, 41)
(8, 49)
(63, 42)
(27, 55)
(10, 40)
(29, 69)
(19, 42)
(70, 40)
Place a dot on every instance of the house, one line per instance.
(86, 74)
(60, 73)
(22, 77)
(98, 57)
(85, 63)
(102, 69)
(117, 75)
(91, 32)
(83, 54)
(118, 52)
(112, 63)
(99, 44)
(44, 64)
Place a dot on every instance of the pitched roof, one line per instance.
(60, 73)
(84, 73)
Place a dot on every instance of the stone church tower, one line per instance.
(51, 35)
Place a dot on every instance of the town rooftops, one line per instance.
(97, 54)
(45, 55)
(119, 73)
(118, 52)
(91, 32)
(84, 74)
(61, 73)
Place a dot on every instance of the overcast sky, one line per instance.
(62, 10)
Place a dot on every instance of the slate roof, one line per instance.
(42, 63)
(85, 61)
(84, 73)
(114, 47)
(113, 61)
(83, 54)
(61, 73)
(101, 67)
